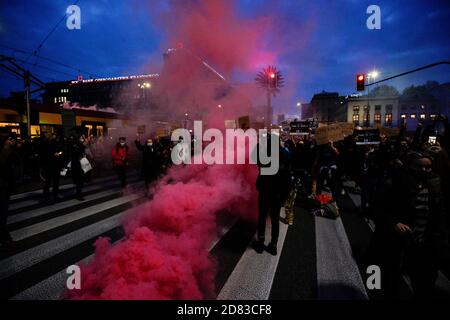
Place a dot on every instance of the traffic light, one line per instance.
(272, 80)
(360, 82)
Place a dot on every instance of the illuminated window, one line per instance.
(99, 131)
(377, 118)
(388, 119)
(8, 124)
(403, 116)
(422, 116)
(89, 127)
(35, 130)
(367, 117)
(56, 100)
(432, 116)
(356, 108)
(413, 116)
(356, 118)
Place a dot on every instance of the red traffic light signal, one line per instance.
(360, 82)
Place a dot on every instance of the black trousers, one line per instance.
(121, 174)
(4, 199)
(328, 174)
(51, 177)
(78, 180)
(268, 204)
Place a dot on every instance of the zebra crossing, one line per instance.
(315, 259)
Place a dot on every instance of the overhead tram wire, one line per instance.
(52, 61)
(44, 67)
(36, 52)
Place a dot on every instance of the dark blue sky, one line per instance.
(325, 43)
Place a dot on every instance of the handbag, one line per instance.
(85, 165)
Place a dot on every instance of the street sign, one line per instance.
(300, 128)
(367, 136)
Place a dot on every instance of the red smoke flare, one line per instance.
(165, 251)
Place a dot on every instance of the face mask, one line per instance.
(122, 144)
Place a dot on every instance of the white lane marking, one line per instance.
(73, 216)
(338, 276)
(252, 278)
(60, 205)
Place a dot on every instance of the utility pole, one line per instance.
(27, 97)
(269, 108)
(9, 64)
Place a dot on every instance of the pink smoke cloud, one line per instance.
(165, 251)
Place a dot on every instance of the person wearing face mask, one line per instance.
(414, 226)
(149, 160)
(120, 156)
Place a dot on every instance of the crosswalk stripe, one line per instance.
(253, 276)
(30, 204)
(63, 206)
(62, 220)
(42, 270)
(48, 249)
(38, 193)
(338, 276)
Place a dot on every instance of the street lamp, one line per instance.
(299, 104)
(371, 75)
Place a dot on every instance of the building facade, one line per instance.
(325, 105)
(372, 112)
(102, 92)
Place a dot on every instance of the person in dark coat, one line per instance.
(273, 191)
(412, 230)
(52, 163)
(77, 153)
(149, 161)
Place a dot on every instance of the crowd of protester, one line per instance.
(49, 158)
(403, 181)
(404, 184)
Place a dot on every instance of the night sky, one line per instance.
(318, 45)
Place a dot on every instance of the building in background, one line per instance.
(306, 110)
(416, 108)
(442, 94)
(61, 120)
(117, 92)
(325, 106)
(372, 112)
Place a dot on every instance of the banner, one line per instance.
(367, 136)
(301, 128)
(333, 132)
